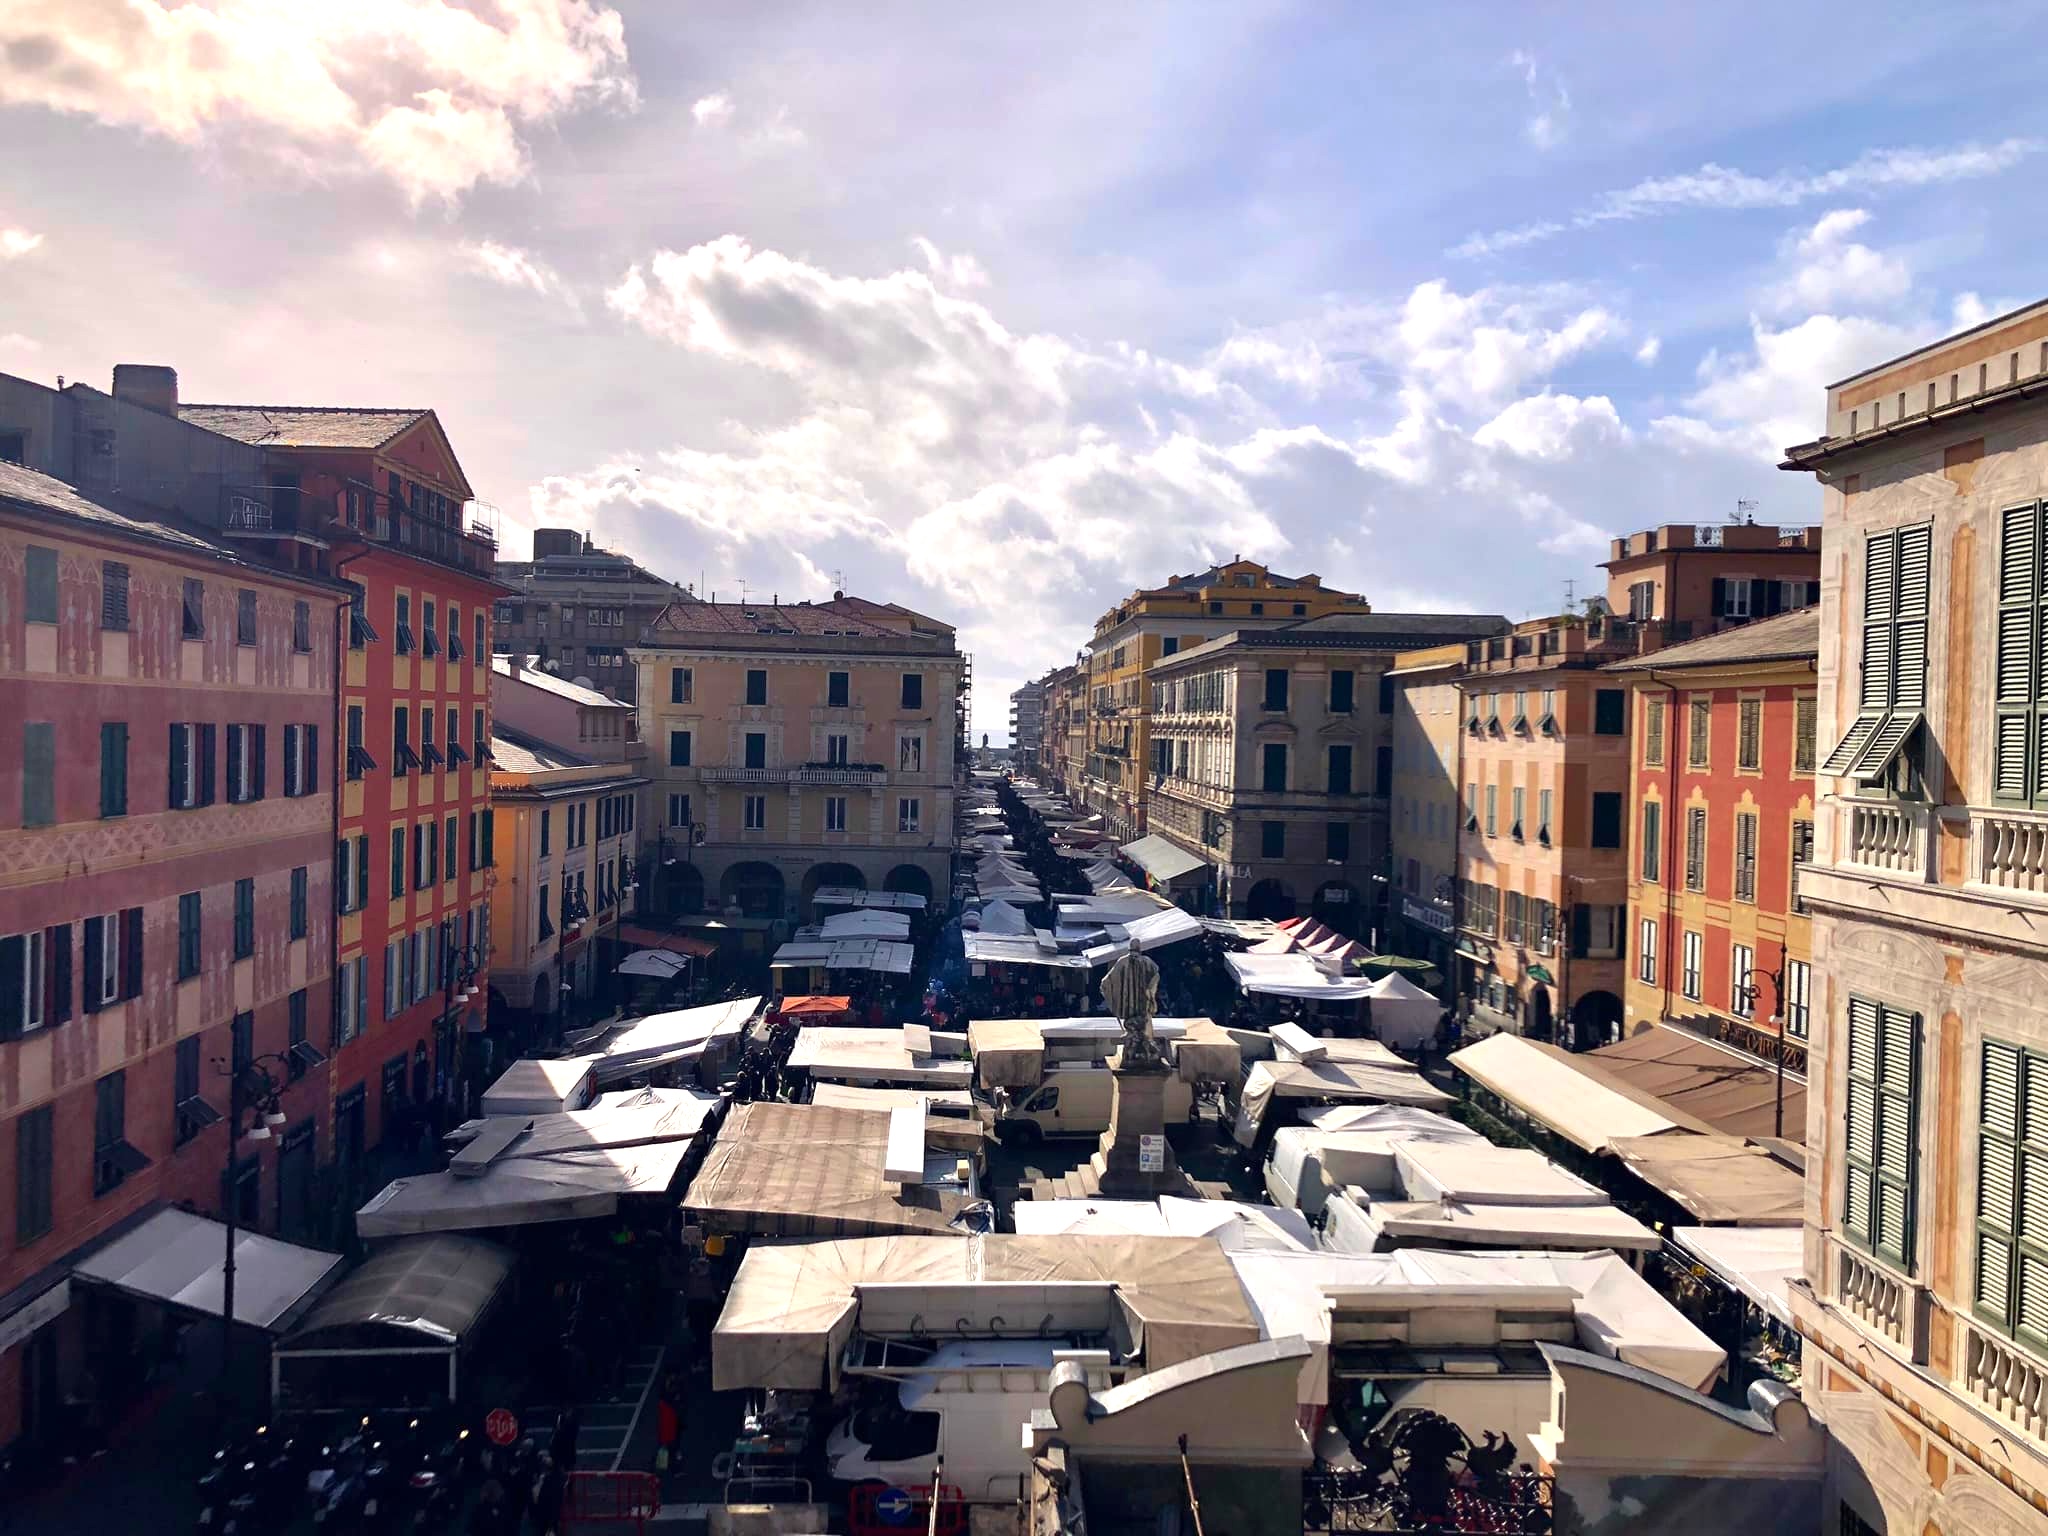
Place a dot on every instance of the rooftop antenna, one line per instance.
(1570, 593)
(1745, 510)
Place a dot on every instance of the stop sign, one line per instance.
(501, 1426)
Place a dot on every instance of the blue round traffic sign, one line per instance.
(894, 1507)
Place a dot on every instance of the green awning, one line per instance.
(1542, 974)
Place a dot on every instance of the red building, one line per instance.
(166, 838)
(413, 824)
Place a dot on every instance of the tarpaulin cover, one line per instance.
(882, 955)
(792, 1307)
(564, 1186)
(1159, 929)
(1293, 975)
(1293, 1043)
(1388, 1120)
(1000, 917)
(854, 896)
(1717, 1178)
(1480, 1171)
(874, 1056)
(1205, 1053)
(935, 1100)
(1360, 1223)
(1760, 1262)
(1008, 1053)
(1546, 1084)
(419, 1292)
(1235, 1225)
(865, 923)
(1162, 859)
(664, 1039)
(1361, 1158)
(1007, 949)
(658, 963)
(628, 1119)
(1402, 1013)
(1288, 1293)
(794, 1170)
(176, 1257)
(1722, 1089)
(533, 1086)
(1330, 1082)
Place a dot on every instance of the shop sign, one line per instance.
(1425, 916)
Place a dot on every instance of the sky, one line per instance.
(1000, 313)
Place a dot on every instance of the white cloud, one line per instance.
(17, 242)
(719, 112)
(1719, 187)
(1483, 346)
(434, 96)
(1833, 271)
(959, 269)
(509, 265)
(712, 111)
(1548, 426)
(1649, 351)
(1550, 104)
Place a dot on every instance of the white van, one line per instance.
(1073, 1099)
(968, 1403)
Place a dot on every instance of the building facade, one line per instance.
(1064, 752)
(1721, 814)
(1925, 1300)
(1271, 760)
(1422, 828)
(384, 488)
(579, 609)
(1151, 625)
(1027, 723)
(166, 849)
(798, 746)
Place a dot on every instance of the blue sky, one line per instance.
(1000, 314)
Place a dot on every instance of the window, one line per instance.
(1653, 733)
(242, 1042)
(398, 861)
(1337, 841)
(245, 763)
(1742, 981)
(195, 609)
(1646, 951)
(679, 749)
(1892, 688)
(454, 633)
(679, 810)
(103, 968)
(1689, 973)
(448, 850)
(38, 773)
(295, 1034)
(1735, 594)
(1642, 601)
(1878, 1205)
(1273, 767)
(1802, 842)
(1798, 999)
(245, 617)
(1272, 839)
(1606, 819)
(113, 595)
(1169, 646)
(1493, 810)
(479, 742)
(477, 652)
(757, 685)
(351, 874)
(1276, 688)
(403, 625)
(40, 575)
(1383, 770)
(24, 984)
(546, 928)
(403, 758)
(1215, 607)
(430, 640)
(1653, 840)
(1543, 833)
(836, 691)
(1805, 710)
(1699, 729)
(1749, 734)
(908, 812)
(837, 749)
(754, 813)
(490, 831)
(1745, 856)
(755, 745)
(1546, 719)
(113, 1159)
(34, 1174)
(359, 760)
(1342, 682)
(1340, 770)
(1696, 848)
(351, 1001)
(297, 929)
(245, 918)
(188, 935)
(913, 690)
(835, 813)
(1610, 712)
(2012, 1166)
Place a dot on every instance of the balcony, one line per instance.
(2004, 1381)
(859, 774)
(2009, 850)
(1887, 1304)
(468, 545)
(1890, 837)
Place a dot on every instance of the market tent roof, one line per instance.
(660, 963)
(1479, 1171)
(1289, 1294)
(853, 896)
(176, 1257)
(1010, 1053)
(1000, 917)
(1478, 1224)
(631, 1118)
(524, 1191)
(866, 923)
(959, 1101)
(1549, 1086)
(846, 955)
(1760, 1262)
(875, 1056)
(1251, 929)
(1403, 1013)
(1004, 949)
(793, 1170)
(1361, 1158)
(1330, 1082)
(1718, 1178)
(1318, 938)
(674, 943)
(793, 1306)
(537, 1085)
(1293, 975)
(419, 1293)
(663, 1039)
(814, 1007)
(1237, 1226)
(1161, 858)
(1724, 1089)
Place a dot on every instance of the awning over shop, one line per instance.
(640, 935)
(1551, 1087)
(1719, 1088)
(1163, 859)
(1717, 1178)
(657, 963)
(176, 1257)
(1760, 1262)
(419, 1293)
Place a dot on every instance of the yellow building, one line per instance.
(1428, 729)
(1153, 623)
(798, 745)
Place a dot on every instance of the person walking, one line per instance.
(548, 1494)
(668, 1422)
(563, 1447)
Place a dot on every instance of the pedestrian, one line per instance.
(668, 1422)
(563, 1447)
(548, 1494)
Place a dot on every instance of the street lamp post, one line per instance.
(460, 967)
(254, 1090)
(1777, 980)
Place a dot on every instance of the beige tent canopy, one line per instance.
(855, 1055)
(1719, 1179)
(1327, 1082)
(1559, 1091)
(792, 1307)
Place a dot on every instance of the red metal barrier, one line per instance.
(874, 1509)
(610, 1499)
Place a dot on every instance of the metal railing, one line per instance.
(795, 774)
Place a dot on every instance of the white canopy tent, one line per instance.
(1327, 1082)
(1481, 1172)
(565, 1186)
(1403, 1014)
(658, 963)
(1000, 917)
(1358, 1222)
(845, 955)
(176, 1257)
(866, 923)
(667, 1039)
(853, 896)
(1162, 859)
(1760, 1262)
(538, 1086)
(1293, 975)
(1237, 1226)
(1543, 1084)
(832, 1054)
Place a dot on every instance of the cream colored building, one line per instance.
(1422, 822)
(1925, 1301)
(564, 829)
(798, 745)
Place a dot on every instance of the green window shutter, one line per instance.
(2019, 648)
(1880, 564)
(1909, 662)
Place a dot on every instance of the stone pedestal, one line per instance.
(1116, 1172)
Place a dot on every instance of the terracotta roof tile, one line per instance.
(1791, 636)
(303, 426)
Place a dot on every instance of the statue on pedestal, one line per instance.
(1132, 991)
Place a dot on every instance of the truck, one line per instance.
(1073, 1099)
(1052, 1078)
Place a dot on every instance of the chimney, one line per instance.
(518, 663)
(149, 385)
